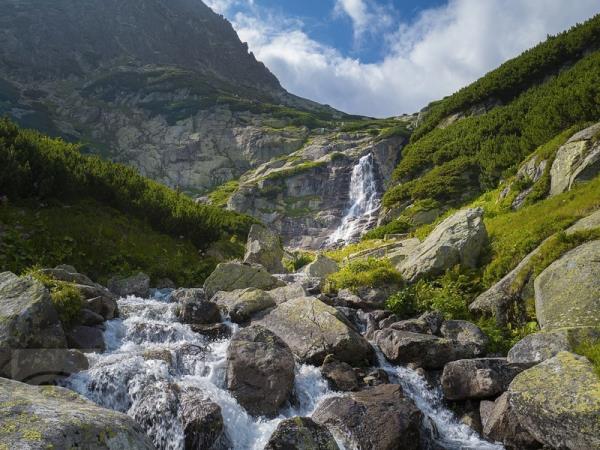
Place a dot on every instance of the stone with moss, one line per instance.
(558, 402)
(264, 248)
(235, 275)
(43, 417)
(301, 433)
(321, 267)
(242, 304)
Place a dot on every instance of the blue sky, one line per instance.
(387, 57)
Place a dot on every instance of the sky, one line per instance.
(383, 58)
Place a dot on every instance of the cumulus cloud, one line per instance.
(442, 50)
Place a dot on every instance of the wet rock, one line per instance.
(459, 239)
(198, 312)
(89, 318)
(500, 424)
(467, 333)
(288, 292)
(301, 433)
(104, 306)
(234, 275)
(538, 347)
(242, 304)
(341, 375)
(188, 294)
(421, 350)
(372, 377)
(52, 417)
(567, 293)
(477, 378)
(45, 366)
(213, 330)
(260, 370)
(321, 267)
(138, 285)
(88, 339)
(264, 247)
(557, 401)
(380, 418)
(314, 330)
(202, 421)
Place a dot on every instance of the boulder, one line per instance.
(557, 401)
(45, 366)
(264, 247)
(242, 304)
(576, 161)
(260, 370)
(230, 276)
(301, 433)
(203, 426)
(89, 318)
(88, 339)
(138, 285)
(321, 267)
(379, 417)
(288, 292)
(500, 424)
(467, 333)
(102, 305)
(459, 239)
(567, 293)
(341, 375)
(186, 294)
(538, 347)
(193, 308)
(314, 330)
(422, 350)
(477, 378)
(41, 417)
(63, 273)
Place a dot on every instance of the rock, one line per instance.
(68, 276)
(557, 401)
(213, 331)
(288, 292)
(264, 247)
(28, 319)
(88, 339)
(379, 418)
(477, 378)
(538, 347)
(314, 330)
(186, 294)
(234, 275)
(89, 318)
(321, 267)
(193, 307)
(422, 350)
(459, 239)
(301, 433)
(467, 333)
(260, 370)
(374, 377)
(41, 417)
(242, 304)
(203, 426)
(45, 366)
(427, 323)
(341, 375)
(500, 424)
(576, 161)
(567, 293)
(138, 285)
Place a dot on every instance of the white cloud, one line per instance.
(443, 50)
(366, 15)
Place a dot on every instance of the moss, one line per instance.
(591, 350)
(31, 435)
(370, 273)
(68, 301)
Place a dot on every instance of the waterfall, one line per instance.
(364, 199)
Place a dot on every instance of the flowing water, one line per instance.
(148, 347)
(365, 202)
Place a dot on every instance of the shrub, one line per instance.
(396, 226)
(370, 273)
(68, 301)
(298, 260)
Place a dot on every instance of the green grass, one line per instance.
(342, 253)
(295, 170)
(298, 260)
(591, 350)
(396, 226)
(371, 273)
(221, 195)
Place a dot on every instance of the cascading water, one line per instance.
(365, 202)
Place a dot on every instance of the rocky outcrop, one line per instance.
(51, 417)
(576, 161)
(380, 418)
(557, 401)
(264, 247)
(459, 239)
(242, 304)
(321, 267)
(314, 330)
(260, 370)
(234, 275)
(567, 293)
(301, 433)
(138, 285)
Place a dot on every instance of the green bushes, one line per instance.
(396, 226)
(298, 260)
(221, 195)
(370, 273)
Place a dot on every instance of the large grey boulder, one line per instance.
(459, 239)
(264, 247)
(288, 292)
(340, 375)
(138, 285)
(538, 347)
(88, 339)
(477, 378)
(567, 293)
(301, 433)
(576, 161)
(466, 333)
(321, 267)
(193, 308)
(260, 370)
(42, 417)
(422, 350)
(45, 366)
(379, 417)
(234, 275)
(314, 330)
(557, 401)
(242, 304)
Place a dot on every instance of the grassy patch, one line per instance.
(221, 195)
(396, 226)
(591, 350)
(341, 254)
(371, 273)
(295, 170)
(298, 260)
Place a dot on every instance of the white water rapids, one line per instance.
(138, 342)
(365, 202)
